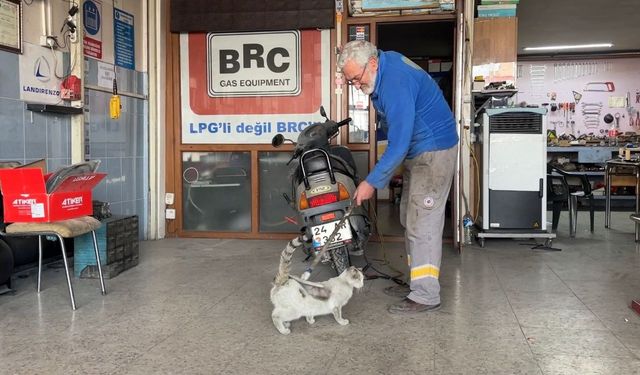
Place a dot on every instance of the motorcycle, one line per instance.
(323, 180)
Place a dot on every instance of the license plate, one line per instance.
(322, 232)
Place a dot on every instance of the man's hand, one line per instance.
(363, 192)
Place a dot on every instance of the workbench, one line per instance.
(596, 156)
(585, 154)
(629, 170)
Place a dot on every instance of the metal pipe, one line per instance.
(607, 194)
(95, 247)
(637, 168)
(460, 128)
(43, 8)
(66, 269)
(48, 18)
(573, 215)
(77, 121)
(39, 261)
(156, 51)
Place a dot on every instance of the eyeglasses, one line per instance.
(354, 80)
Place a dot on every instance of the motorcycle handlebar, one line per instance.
(344, 122)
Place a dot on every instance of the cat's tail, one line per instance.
(285, 259)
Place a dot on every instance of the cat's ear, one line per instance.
(355, 272)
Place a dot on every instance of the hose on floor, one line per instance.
(383, 262)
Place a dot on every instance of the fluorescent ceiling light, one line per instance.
(575, 46)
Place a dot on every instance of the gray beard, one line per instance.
(368, 89)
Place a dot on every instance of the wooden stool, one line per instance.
(62, 229)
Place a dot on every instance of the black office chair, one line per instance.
(569, 187)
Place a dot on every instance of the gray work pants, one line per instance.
(425, 188)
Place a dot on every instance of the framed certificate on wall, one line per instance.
(11, 25)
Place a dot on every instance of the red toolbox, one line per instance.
(25, 197)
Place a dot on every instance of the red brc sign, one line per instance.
(307, 101)
(235, 84)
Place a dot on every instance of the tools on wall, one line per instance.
(634, 113)
(537, 74)
(573, 70)
(606, 91)
(591, 114)
(600, 86)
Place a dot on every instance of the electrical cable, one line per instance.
(477, 175)
(467, 62)
(381, 275)
(67, 39)
(55, 64)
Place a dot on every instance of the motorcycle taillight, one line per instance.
(322, 199)
(342, 192)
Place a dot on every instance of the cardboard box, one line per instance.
(41, 163)
(25, 197)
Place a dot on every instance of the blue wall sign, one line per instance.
(124, 39)
(91, 17)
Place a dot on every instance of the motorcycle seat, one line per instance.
(344, 156)
(317, 163)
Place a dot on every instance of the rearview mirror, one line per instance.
(277, 140)
(323, 113)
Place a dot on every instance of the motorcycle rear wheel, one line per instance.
(340, 259)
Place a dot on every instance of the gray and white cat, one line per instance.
(294, 298)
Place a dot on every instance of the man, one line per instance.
(422, 135)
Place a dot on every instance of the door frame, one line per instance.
(371, 147)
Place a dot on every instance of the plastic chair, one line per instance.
(575, 186)
(558, 195)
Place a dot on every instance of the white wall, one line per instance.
(33, 19)
(34, 16)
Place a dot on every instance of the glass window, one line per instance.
(275, 213)
(359, 112)
(216, 191)
(358, 102)
(362, 163)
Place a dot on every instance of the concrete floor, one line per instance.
(197, 306)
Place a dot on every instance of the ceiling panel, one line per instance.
(562, 22)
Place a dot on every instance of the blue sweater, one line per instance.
(410, 103)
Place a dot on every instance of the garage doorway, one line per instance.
(431, 45)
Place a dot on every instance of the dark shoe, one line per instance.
(397, 291)
(408, 307)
